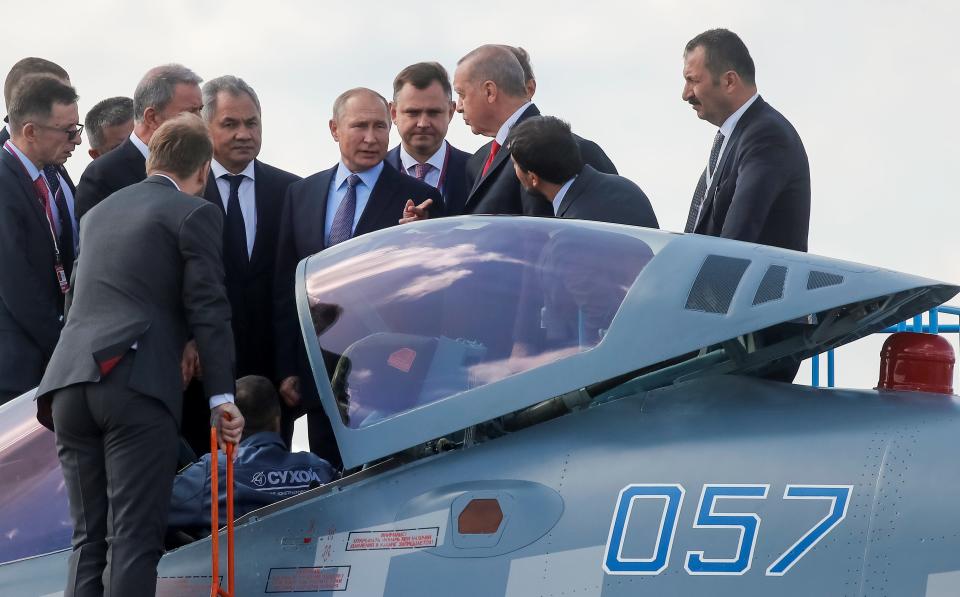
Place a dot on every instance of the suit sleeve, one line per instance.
(205, 297)
(763, 173)
(21, 286)
(286, 328)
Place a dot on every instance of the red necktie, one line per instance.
(493, 153)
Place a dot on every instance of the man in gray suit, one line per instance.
(546, 158)
(114, 385)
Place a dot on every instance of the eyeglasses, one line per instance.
(71, 133)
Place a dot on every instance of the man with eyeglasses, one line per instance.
(36, 241)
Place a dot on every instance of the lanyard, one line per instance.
(44, 200)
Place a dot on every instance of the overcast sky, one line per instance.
(871, 86)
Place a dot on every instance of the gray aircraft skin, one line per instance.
(534, 406)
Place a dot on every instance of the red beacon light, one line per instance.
(916, 362)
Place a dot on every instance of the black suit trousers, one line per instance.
(118, 452)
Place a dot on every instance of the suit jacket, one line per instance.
(500, 192)
(302, 235)
(31, 303)
(606, 198)
(109, 173)
(760, 192)
(250, 284)
(156, 278)
(4, 134)
(455, 187)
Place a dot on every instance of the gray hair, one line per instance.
(342, 99)
(155, 89)
(109, 112)
(235, 86)
(498, 64)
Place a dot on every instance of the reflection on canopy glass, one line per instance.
(413, 316)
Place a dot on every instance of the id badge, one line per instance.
(62, 279)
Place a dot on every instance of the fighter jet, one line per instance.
(534, 406)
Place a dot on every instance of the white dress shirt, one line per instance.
(561, 194)
(436, 160)
(338, 190)
(726, 129)
(247, 194)
(506, 126)
(140, 145)
(218, 399)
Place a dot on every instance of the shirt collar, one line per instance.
(561, 194)
(731, 122)
(263, 438)
(436, 160)
(218, 170)
(501, 137)
(368, 177)
(32, 169)
(140, 145)
(171, 180)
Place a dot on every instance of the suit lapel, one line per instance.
(261, 190)
(503, 154)
(26, 185)
(727, 158)
(380, 196)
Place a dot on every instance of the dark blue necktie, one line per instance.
(65, 238)
(235, 230)
(342, 227)
(701, 189)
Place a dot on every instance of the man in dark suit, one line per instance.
(108, 123)
(250, 195)
(57, 177)
(756, 184)
(36, 247)
(164, 92)
(358, 195)
(422, 109)
(112, 390)
(492, 96)
(547, 163)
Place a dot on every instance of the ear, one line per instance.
(531, 88)
(202, 174)
(453, 110)
(152, 118)
(490, 91)
(393, 111)
(29, 131)
(334, 131)
(93, 153)
(534, 180)
(730, 80)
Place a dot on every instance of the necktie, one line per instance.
(420, 171)
(65, 232)
(701, 189)
(342, 227)
(493, 153)
(235, 230)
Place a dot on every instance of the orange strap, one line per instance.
(215, 590)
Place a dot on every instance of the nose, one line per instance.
(460, 105)
(687, 92)
(243, 132)
(423, 122)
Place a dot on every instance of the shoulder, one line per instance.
(311, 182)
(458, 155)
(276, 175)
(763, 121)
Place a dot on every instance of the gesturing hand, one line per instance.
(413, 213)
(290, 391)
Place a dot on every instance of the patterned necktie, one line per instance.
(701, 189)
(342, 227)
(493, 153)
(235, 229)
(65, 222)
(420, 171)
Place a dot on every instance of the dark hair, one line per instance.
(421, 75)
(724, 51)
(180, 146)
(34, 97)
(109, 112)
(523, 57)
(30, 66)
(258, 403)
(545, 146)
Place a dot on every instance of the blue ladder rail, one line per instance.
(915, 325)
